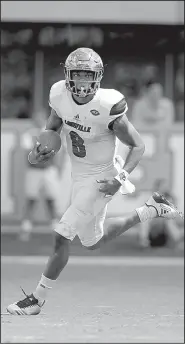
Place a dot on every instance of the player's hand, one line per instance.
(109, 186)
(39, 154)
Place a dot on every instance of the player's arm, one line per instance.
(128, 135)
(37, 155)
(54, 122)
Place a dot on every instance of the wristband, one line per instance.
(122, 176)
(126, 186)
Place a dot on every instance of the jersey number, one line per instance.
(77, 145)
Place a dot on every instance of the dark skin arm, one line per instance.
(37, 155)
(54, 122)
(129, 136)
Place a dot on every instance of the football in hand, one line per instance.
(50, 139)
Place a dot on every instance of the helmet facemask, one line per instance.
(83, 60)
(93, 85)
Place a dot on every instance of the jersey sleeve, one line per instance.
(119, 108)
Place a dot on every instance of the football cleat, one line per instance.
(28, 306)
(163, 207)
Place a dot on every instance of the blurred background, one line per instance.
(142, 44)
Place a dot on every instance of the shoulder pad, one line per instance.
(57, 88)
(110, 97)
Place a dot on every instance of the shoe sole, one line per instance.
(16, 312)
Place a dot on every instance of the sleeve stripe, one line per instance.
(119, 108)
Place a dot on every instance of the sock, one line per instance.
(44, 285)
(146, 213)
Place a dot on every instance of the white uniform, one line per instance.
(91, 147)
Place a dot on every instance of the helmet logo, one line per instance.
(95, 112)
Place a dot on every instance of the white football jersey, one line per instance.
(90, 143)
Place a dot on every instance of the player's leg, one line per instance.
(65, 232)
(55, 265)
(156, 206)
(115, 227)
(32, 304)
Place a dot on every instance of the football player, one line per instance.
(92, 119)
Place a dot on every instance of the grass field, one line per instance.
(98, 299)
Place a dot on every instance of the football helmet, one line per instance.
(83, 59)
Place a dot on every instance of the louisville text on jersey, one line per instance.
(78, 126)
